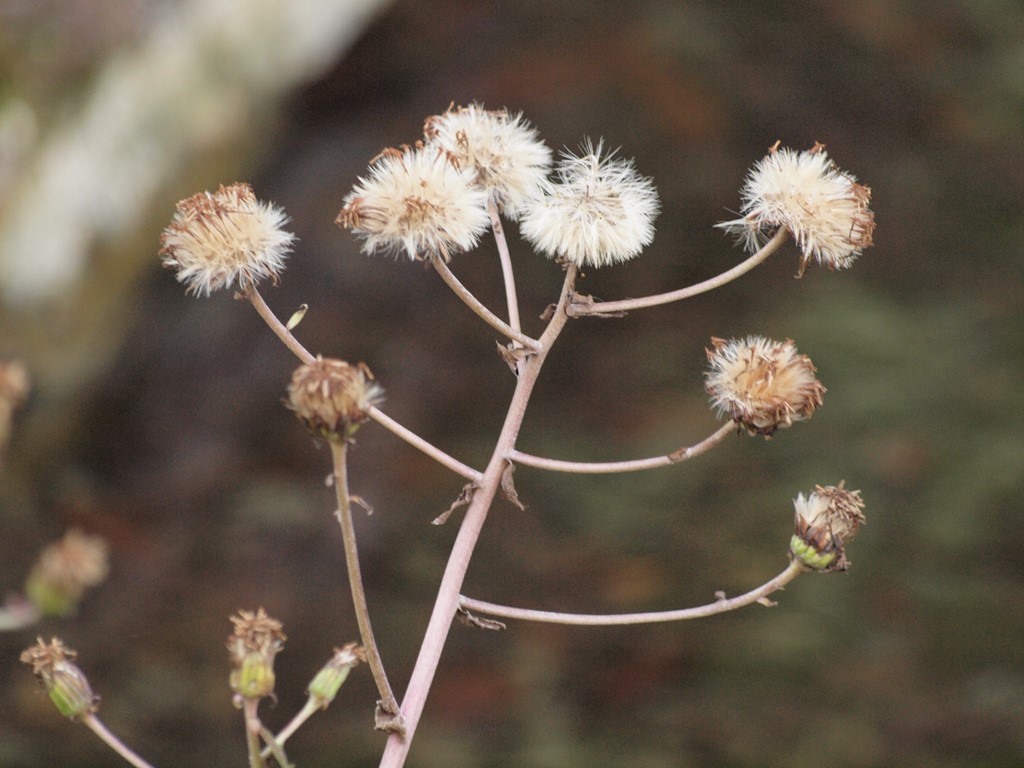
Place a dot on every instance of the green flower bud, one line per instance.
(826, 521)
(64, 570)
(251, 650)
(254, 677)
(329, 679)
(65, 683)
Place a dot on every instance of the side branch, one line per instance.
(483, 312)
(374, 413)
(428, 448)
(506, 266)
(256, 299)
(721, 605)
(584, 307)
(635, 465)
(96, 726)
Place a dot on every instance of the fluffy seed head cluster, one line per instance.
(417, 201)
(331, 396)
(599, 211)
(826, 520)
(224, 238)
(53, 664)
(252, 647)
(64, 570)
(761, 384)
(503, 150)
(824, 208)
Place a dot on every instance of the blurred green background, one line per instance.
(156, 419)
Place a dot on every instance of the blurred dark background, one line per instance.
(156, 419)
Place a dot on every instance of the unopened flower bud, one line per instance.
(331, 396)
(64, 570)
(762, 385)
(64, 682)
(328, 680)
(251, 649)
(826, 521)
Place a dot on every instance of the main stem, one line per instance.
(447, 603)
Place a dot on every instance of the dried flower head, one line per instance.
(503, 150)
(824, 208)
(600, 210)
(256, 641)
(331, 396)
(227, 237)
(417, 201)
(761, 384)
(64, 570)
(826, 520)
(53, 664)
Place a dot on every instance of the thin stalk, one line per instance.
(275, 747)
(376, 414)
(96, 726)
(279, 328)
(634, 465)
(721, 605)
(308, 710)
(428, 448)
(252, 733)
(18, 613)
(447, 602)
(625, 305)
(482, 312)
(388, 704)
(506, 266)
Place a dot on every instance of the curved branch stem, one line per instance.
(374, 413)
(506, 267)
(483, 312)
(96, 726)
(388, 705)
(635, 465)
(721, 605)
(608, 307)
(310, 708)
(428, 448)
(279, 328)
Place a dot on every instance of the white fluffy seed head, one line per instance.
(223, 238)
(417, 201)
(599, 211)
(502, 150)
(824, 208)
